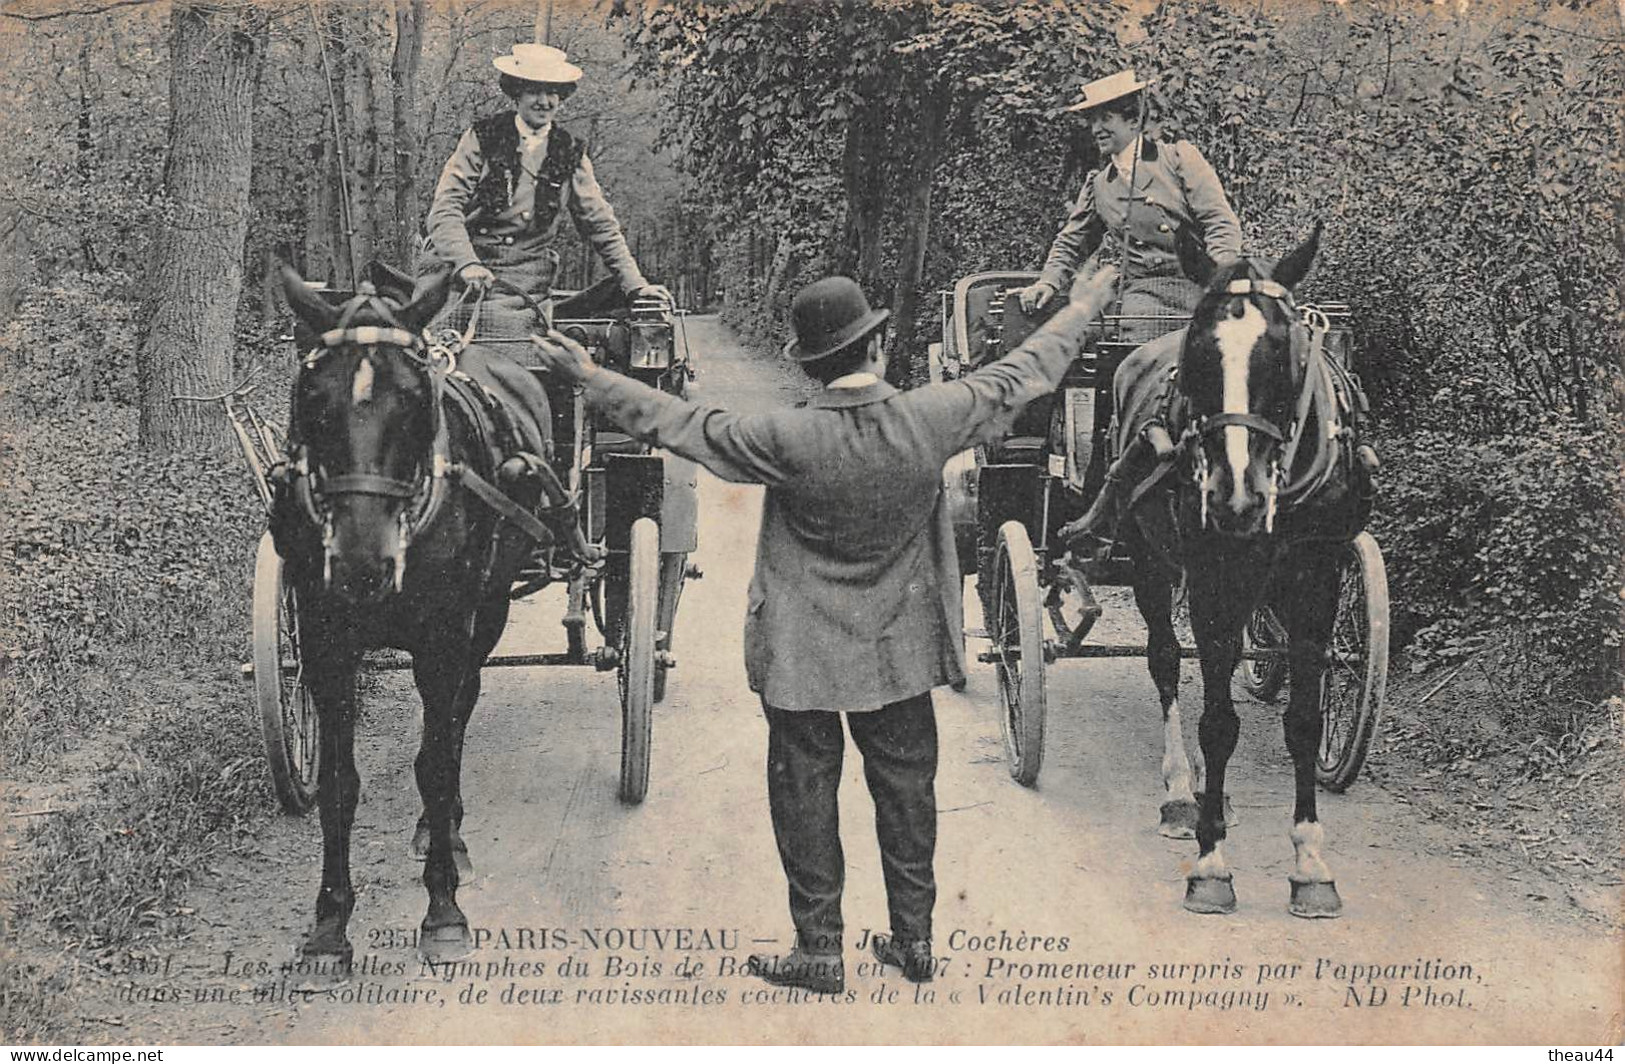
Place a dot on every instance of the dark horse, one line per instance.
(392, 538)
(1256, 486)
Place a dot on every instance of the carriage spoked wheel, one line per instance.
(288, 720)
(673, 572)
(1356, 677)
(1017, 632)
(635, 668)
(1263, 677)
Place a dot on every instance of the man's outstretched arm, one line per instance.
(737, 447)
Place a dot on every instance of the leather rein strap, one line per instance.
(1316, 394)
(438, 361)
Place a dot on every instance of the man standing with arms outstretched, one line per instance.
(854, 607)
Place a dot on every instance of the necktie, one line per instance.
(532, 151)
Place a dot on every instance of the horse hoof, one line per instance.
(1178, 820)
(420, 842)
(1230, 817)
(450, 943)
(465, 867)
(1210, 896)
(320, 967)
(1315, 901)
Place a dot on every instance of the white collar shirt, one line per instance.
(1124, 160)
(532, 142)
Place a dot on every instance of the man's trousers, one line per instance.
(804, 753)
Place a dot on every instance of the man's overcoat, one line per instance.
(855, 602)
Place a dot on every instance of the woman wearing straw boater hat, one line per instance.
(854, 607)
(1129, 215)
(502, 196)
(512, 178)
(1132, 208)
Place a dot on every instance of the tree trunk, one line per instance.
(365, 131)
(911, 256)
(403, 77)
(322, 214)
(16, 259)
(865, 193)
(197, 275)
(332, 30)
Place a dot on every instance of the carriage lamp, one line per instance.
(651, 345)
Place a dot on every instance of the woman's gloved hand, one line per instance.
(653, 291)
(475, 277)
(1036, 296)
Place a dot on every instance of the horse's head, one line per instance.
(365, 422)
(1240, 373)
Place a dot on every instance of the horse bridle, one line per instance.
(312, 489)
(1284, 444)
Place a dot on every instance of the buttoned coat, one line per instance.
(1173, 187)
(855, 600)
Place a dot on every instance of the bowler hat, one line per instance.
(828, 316)
(1109, 88)
(538, 62)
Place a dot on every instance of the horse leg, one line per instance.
(441, 677)
(1310, 607)
(1153, 594)
(1216, 620)
(331, 682)
(488, 627)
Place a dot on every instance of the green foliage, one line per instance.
(1517, 532)
(809, 128)
(85, 114)
(126, 615)
(119, 562)
(70, 344)
(1468, 169)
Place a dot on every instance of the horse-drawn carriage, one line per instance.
(622, 526)
(1010, 500)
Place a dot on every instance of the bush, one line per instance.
(1517, 531)
(69, 343)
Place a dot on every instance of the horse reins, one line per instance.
(438, 362)
(1314, 376)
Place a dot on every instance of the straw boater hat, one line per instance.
(538, 62)
(1109, 88)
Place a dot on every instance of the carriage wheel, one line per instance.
(673, 569)
(1356, 676)
(1263, 678)
(1017, 631)
(288, 720)
(635, 670)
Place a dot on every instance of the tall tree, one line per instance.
(403, 77)
(197, 277)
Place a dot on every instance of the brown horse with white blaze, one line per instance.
(1256, 491)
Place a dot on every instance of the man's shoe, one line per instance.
(913, 957)
(823, 974)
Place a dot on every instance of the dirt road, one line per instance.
(1059, 916)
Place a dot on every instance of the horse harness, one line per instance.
(438, 361)
(1327, 394)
